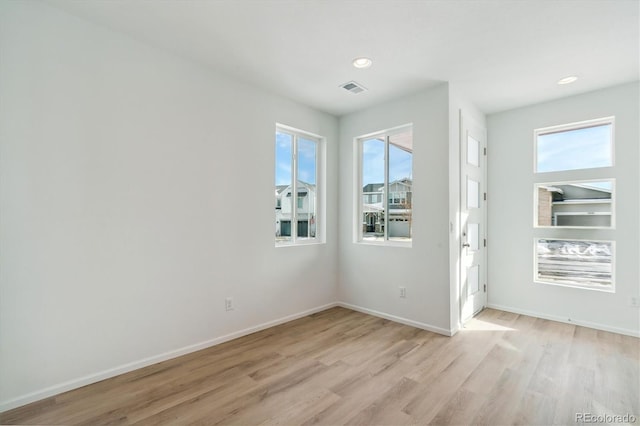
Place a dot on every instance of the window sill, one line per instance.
(605, 228)
(299, 243)
(403, 244)
(607, 289)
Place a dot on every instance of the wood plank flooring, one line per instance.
(343, 367)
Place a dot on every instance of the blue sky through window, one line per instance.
(606, 185)
(584, 148)
(306, 159)
(400, 162)
(284, 143)
(372, 161)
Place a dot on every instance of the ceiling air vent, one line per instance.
(353, 87)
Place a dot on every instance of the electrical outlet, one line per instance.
(403, 292)
(228, 303)
(634, 303)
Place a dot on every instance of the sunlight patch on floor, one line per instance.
(476, 324)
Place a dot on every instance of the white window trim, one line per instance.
(321, 153)
(611, 289)
(593, 174)
(574, 126)
(357, 178)
(568, 182)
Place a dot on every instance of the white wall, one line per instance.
(369, 276)
(458, 103)
(136, 193)
(511, 232)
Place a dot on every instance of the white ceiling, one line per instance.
(501, 53)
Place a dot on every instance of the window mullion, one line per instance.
(386, 188)
(294, 190)
(360, 220)
(313, 213)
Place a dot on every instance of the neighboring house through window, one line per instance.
(296, 186)
(385, 166)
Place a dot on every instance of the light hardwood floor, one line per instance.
(344, 367)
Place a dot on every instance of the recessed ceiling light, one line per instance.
(568, 80)
(362, 62)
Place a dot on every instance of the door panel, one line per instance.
(472, 218)
(473, 152)
(473, 194)
(473, 278)
(473, 230)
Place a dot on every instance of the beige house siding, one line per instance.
(544, 207)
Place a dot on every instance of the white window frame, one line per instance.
(583, 175)
(574, 126)
(320, 235)
(575, 284)
(357, 224)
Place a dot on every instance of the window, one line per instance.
(580, 201)
(385, 165)
(575, 204)
(584, 145)
(575, 263)
(296, 172)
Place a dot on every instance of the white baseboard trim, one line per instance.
(116, 371)
(455, 330)
(589, 324)
(401, 320)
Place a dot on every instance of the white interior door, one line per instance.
(473, 257)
